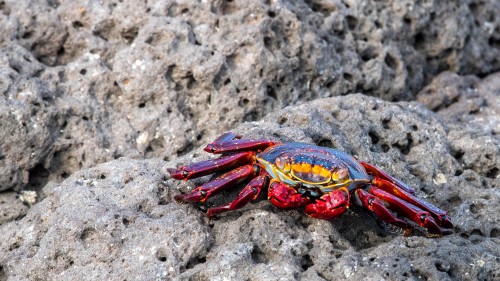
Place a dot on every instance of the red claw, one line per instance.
(285, 197)
(330, 205)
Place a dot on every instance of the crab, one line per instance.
(323, 181)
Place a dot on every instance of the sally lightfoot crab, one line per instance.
(324, 181)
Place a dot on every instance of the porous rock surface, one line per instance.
(88, 82)
(117, 82)
(118, 220)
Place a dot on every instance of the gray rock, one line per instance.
(139, 79)
(28, 119)
(118, 220)
(11, 207)
(466, 100)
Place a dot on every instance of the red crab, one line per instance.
(323, 180)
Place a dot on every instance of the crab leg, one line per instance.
(211, 166)
(378, 207)
(231, 178)
(414, 213)
(439, 215)
(377, 173)
(230, 142)
(248, 194)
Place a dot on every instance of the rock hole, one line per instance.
(391, 61)
(27, 35)
(385, 123)
(352, 22)
(270, 92)
(267, 42)
(251, 116)
(385, 147)
(306, 262)
(243, 102)
(129, 34)
(142, 105)
(161, 254)
(368, 53)
(6, 11)
(374, 137)
(494, 42)
(271, 14)
(476, 232)
(405, 148)
(348, 77)
(38, 177)
(419, 41)
(495, 232)
(77, 24)
(325, 143)
(88, 234)
(475, 208)
(458, 154)
(195, 261)
(128, 179)
(16, 245)
(258, 256)
(407, 20)
(493, 173)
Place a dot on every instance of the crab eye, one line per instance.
(282, 164)
(340, 174)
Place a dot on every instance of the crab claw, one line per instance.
(330, 205)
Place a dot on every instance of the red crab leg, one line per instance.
(414, 213)
(377, 173)
(205, 191)
(249, 193)
(439, 215)
(224, 144)
(331, 205)
(378, 207)
(211, 166)
(285, 197)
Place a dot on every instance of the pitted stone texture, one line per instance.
(468, 100)
(118, 220)
(104, 223)
(11, 207)
(28, 118)
(156, 79)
